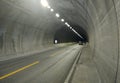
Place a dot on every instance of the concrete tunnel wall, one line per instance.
(105, 17)
(26, 26)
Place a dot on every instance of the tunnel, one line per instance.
(26, 28)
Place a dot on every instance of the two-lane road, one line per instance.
(46, 67)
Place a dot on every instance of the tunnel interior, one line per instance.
(66, 35)
(26, 27)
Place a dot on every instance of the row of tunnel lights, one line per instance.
(45, 4)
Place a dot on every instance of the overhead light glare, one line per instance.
(57, 15)
(62, 20)
(67, 24)
(70, 27)
(48, 7)
(77, 33)
(45, 3)
(51, 10)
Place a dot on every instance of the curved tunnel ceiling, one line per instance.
(25, 24)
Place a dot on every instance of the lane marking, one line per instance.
(16, 71)
(54, 54)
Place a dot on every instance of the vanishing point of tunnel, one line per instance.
(59, 41)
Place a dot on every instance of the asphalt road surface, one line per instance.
(51, 66)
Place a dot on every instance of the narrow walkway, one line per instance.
(86, 71)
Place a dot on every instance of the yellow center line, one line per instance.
(16, 71)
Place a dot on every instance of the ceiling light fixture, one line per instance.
(51, 10)
(70, 27)
(77, 33)
(57, 15)
(67, 24)
(62, 20)
(45, 3)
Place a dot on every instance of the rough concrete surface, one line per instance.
(26, 26)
